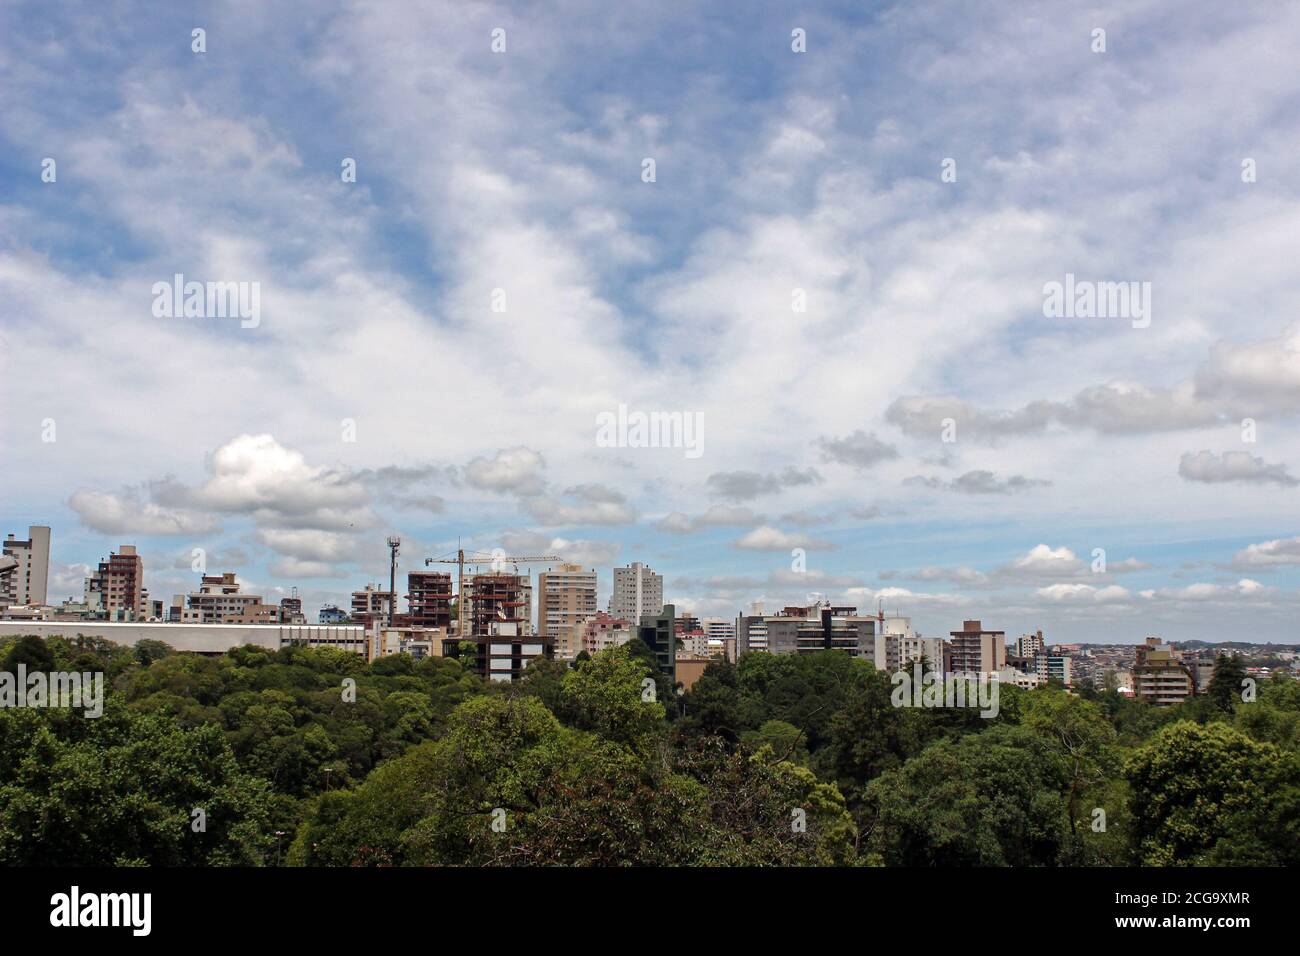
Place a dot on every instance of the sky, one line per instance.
(825, 235)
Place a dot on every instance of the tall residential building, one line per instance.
(976, 651)
(897, 647)
(116, 589)
(638, 591)
(371, 605)
(428, 598)
(28, 582)
(751, 632)
(1160, 677)
(1028, 645)
(566, 599)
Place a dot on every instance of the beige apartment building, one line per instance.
(27, 582)
(1159, 676)
(567, 598)
(976, 651)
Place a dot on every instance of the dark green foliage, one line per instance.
(316, 757)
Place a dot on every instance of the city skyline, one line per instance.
(841, 271)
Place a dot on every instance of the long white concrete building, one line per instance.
(199, 638)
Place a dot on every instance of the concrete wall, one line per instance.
(196, 638)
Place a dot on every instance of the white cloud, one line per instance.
(767, 538)
(126, 514)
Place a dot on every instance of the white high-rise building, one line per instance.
(637, 590)
(898, 646)
(28, 583)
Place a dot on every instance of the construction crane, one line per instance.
(477, 558)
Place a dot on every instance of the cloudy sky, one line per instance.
(837, 270)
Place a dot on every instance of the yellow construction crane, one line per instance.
(496, 559)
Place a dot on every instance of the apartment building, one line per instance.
(116, 589)
(897, 646)
(638, 591)
(658, 632)
(220, 599)
(603, 631)
(1029, 645)
(821, 628)
(1159, 675)
(751, 633)
(291, 609)
(566, 600)
(428, 598)
(332, 614)
(371, 605)
(27, 582)
(974, 650)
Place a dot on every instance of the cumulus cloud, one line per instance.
(308, 544)
(767, 538)
(1207, 467)
(1268, 554)
(1083, 594)
(128, 514)
(516, 471)
(1263, 374)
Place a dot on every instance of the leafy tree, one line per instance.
(1205, 792)
(1226, 682)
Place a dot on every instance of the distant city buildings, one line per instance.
(501, 640)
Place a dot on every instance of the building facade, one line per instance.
(566, 599)
(116, 589)
(27, 583)
(638, 591)
(974, 650)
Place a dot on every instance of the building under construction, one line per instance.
(495, 598)
(428, 599)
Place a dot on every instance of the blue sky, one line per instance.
(775, 171)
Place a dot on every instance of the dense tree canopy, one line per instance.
(316, 757)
